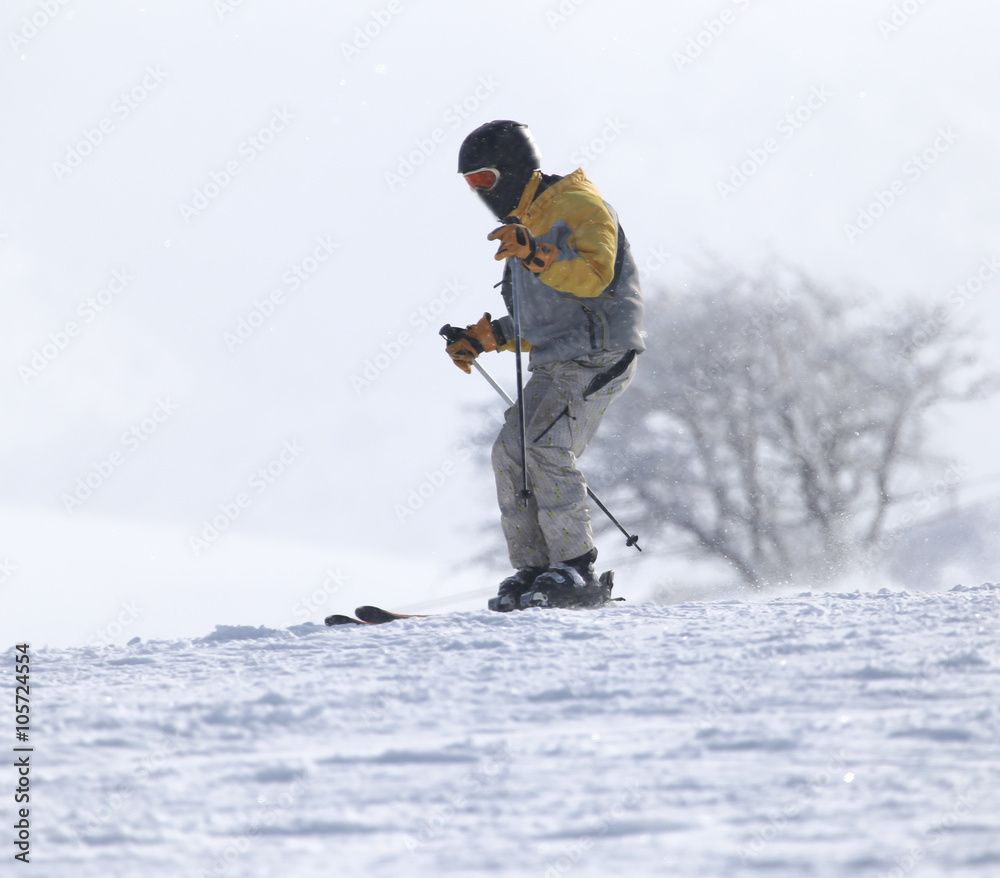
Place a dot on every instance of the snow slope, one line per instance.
(815, 735)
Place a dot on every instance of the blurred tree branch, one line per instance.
(773, 423)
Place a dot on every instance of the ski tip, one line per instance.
(378, 616)
(339, 619)
(370, 616)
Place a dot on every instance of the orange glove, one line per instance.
(471, 342)
(542, 258)
(516, 240)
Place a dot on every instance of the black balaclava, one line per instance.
(509, 148)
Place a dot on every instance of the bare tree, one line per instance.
(773, 423)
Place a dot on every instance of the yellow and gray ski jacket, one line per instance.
(589, 299)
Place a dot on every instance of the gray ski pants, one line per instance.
(554, 525)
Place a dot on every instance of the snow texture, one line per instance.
(812, 735)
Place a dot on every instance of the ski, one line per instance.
(338, 619)
(590, 598)
(378, 616)
(370, 616)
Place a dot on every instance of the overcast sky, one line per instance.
(230, 231)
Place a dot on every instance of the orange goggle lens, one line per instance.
(484, 178)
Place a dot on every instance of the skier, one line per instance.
(569, 269)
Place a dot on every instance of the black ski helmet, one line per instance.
(508, 148)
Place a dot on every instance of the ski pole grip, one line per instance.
(450, 333)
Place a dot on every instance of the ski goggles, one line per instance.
(483, 178)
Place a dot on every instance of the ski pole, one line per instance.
(516, 315)
(451, 333)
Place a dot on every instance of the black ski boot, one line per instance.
(509, 594)
(570, 584)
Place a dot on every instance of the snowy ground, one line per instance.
(839, 734)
